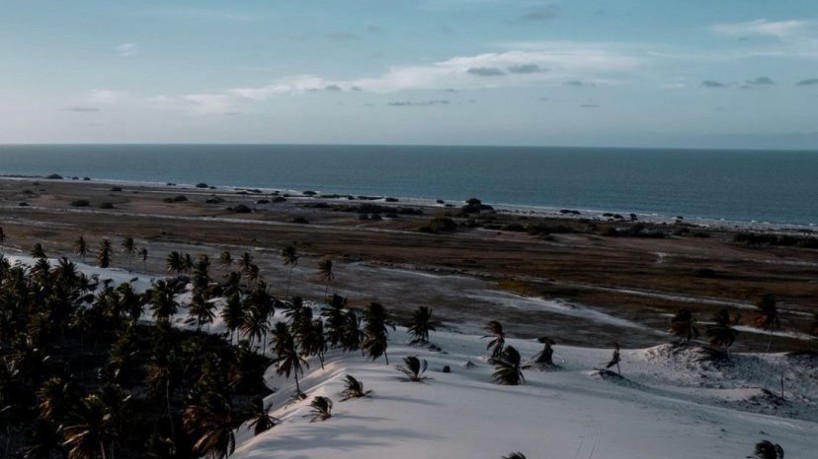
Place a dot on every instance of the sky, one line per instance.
(629, 73)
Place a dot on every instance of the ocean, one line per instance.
(774, 187)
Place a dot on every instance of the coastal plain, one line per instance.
(582, 279)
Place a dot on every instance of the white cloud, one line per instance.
(210, 104)
(106, 96)
(127, 49)
(765, 28)
(564, 60)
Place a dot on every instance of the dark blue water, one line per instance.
(766, 186)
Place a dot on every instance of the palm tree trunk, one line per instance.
(102, 449)
(386, 357)
(289, 276)
(297, 388)
(770, 342)
(170, 413)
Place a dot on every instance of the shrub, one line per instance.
(116, 188)
(241, 209)
(414, 369)
(106, 205)
(178, 198)
(391, 199)
(445, 224)
(55, 177)
(321, 408)
(214, 200)
(300, 220)
(201, 185)
(81, 203)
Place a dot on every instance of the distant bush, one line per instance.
(391, 199)
(241, 209)
(106, 205)
(87, 179)
(263, 201)
(81, 203)
(784, 240)
(301, 220)
(54, 177)
(116, 188)
(201, 185)
(309, 193)
(178, 198)
(214, 200)
(706, 272)
(279, 199)
(444, 224)
(23, 204)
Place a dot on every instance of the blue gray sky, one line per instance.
(693, 73)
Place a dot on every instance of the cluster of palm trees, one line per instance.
(83, 376)
(104, 253)
(721, 331)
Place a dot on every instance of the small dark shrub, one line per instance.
(279, 199)
(301, 220)
(106, 205)
(201, 185)
(116, 188)
(80, 203)
(55, 177)
(241, 209)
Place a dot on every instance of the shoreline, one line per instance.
(602, 215)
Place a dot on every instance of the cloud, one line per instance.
(760, 81)
(808, 82)
(526, 68)
(127, 50)
(713, 84)
(210, 104)
(422, 103)
(485, 71)
(106, 96)
(541, 14)
(764, 28)
(563, 60)
(80, 109)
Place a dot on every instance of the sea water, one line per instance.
(777, 187)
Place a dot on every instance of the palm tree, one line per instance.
(261, 421)
(233, 314)
(210, 423)
(414, 369)
(376, 321)
(143, 255)
(38, 251)
(546, 355)
(200, 311)
(321, 408)
(163, 300)
(128, 248)
(175, 262)
(517, 455)
(498, 338)
(353, 389)
(289, 360)
(766, 449)
(290, 256)
(507, 369)
(421, 324)
(104, 253)
(721, 332)
(683, 326)
(767, 316)
(325, 270)
(312, 340)
(81, 247)
(335, 316)
(351, 333)
(90, 431)
(2, 242)
(246, 263)
(55, 399)
(226, 260)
